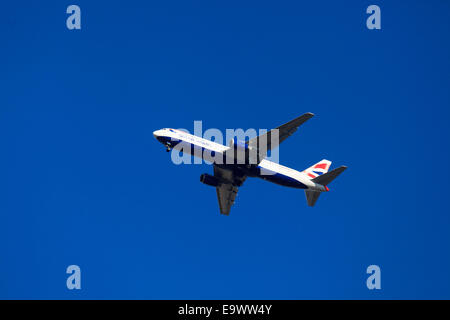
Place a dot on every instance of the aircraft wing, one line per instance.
(284, 131)
(227, 191)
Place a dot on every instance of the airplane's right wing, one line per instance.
(227, 190)
(226, 193)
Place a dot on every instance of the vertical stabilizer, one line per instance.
(318, 169)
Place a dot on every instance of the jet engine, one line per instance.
(209, 180)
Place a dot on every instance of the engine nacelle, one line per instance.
(209, 180)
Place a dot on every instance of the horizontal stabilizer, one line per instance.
(326, 178)
(311, 197)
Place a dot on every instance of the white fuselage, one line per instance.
(266, 170)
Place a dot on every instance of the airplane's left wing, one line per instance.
(284, 131)
(227, 190)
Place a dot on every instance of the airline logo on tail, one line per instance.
(318, 169)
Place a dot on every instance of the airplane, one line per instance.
(228, 177)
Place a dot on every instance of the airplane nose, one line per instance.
(157, 133)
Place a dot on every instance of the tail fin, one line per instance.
(324, 179)
(318, 169)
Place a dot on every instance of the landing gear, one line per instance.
(168, 149)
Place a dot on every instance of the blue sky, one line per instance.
(84, 182)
